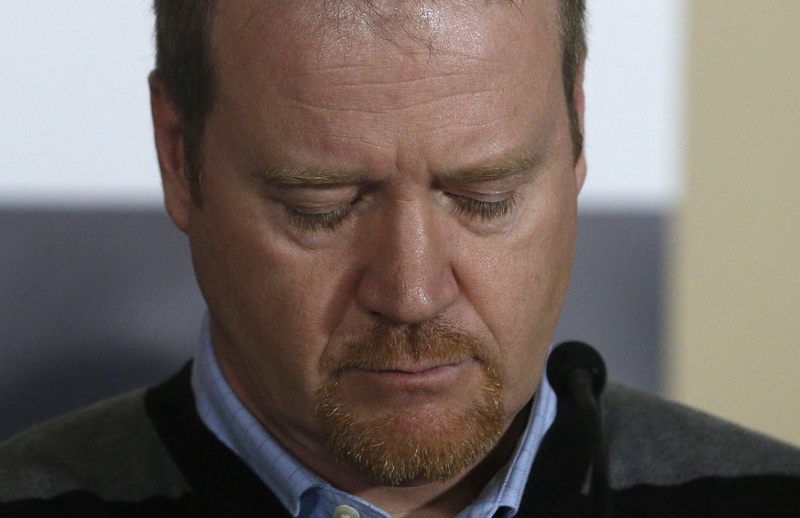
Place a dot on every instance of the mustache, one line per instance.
(385, 347)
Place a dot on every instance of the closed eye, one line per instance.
(483, 210)
(319, 221)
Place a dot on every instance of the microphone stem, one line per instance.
(580, 384)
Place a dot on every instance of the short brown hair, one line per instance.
(184, 64)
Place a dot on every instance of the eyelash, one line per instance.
(485, 210)
(329, 221)
(326, 221)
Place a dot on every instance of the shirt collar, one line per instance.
(305, 494)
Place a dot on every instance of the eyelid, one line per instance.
(320, 209)
(488, 186)
(484, 196)
(314, 197)
(484, 193)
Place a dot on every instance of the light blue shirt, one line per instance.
(305, 494)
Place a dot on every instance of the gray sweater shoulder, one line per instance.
(113, 450)
(653, 441)
(110, 448)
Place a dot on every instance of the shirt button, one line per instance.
(345, 511)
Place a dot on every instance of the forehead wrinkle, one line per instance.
(388, 86)
(377, 106)
(345, 70)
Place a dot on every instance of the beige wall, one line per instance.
(735, 304)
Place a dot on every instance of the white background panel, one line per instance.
(74, 103)
(74, 115)
(635, 102)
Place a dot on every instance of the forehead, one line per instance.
(327, 29)
(386, 69)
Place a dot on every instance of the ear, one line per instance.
(169, 147)
(580, 107)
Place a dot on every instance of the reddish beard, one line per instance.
(411, 444)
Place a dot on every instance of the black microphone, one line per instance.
(577, 373)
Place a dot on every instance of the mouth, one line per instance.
(414, 377)
(418, 367)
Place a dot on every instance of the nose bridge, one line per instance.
(408, 277)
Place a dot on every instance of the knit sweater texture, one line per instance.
(148, 454)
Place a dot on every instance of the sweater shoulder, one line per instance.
(109, 449)
(654, 441)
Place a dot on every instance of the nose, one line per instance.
(408, 275)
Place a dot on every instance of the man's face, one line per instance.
(387, 218)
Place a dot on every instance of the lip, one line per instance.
(419, 377)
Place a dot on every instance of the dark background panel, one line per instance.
(615, 297)
(97, 302)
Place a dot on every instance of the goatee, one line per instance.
(408, 445)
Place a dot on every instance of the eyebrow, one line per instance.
(505, 168)
(309, 176)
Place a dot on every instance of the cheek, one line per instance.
(519, 285)
(267, 301)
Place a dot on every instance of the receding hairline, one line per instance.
(385, 18)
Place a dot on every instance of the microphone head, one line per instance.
(570, 356)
